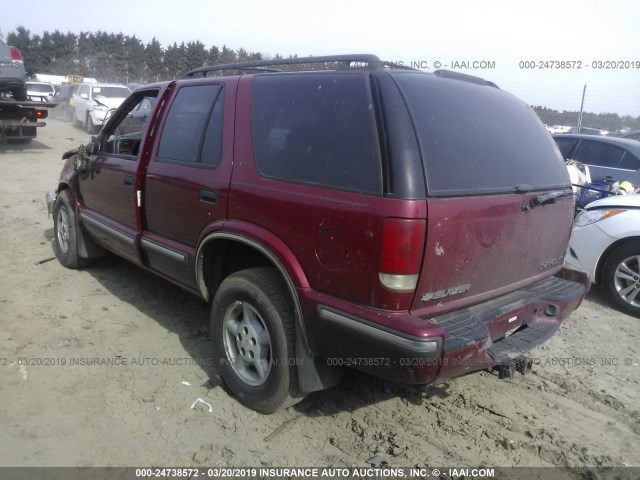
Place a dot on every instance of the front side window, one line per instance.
(186, 122)
(316, 129)
(598, 153)
(565, 145)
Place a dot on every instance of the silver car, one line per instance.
(12, 73)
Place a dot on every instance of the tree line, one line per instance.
(611, 122)
(119, 58)
(115, 57)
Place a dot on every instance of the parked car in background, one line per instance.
(586, 131)
(553, 129)
(615, 157)
(93, 100)
(64, 99)
(631, 135)
(13, 76)
(605, 242)
(40, 91)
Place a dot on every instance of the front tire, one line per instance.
(253, 335)
(76, 121)
(65, 241)
(621, 278)
(91, 129)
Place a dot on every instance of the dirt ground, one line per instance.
(101, 367)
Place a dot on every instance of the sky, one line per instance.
(497, 34)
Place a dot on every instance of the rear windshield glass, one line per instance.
(479, 139)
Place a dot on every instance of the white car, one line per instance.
(40, 91)
(93, 100)
(605, 242)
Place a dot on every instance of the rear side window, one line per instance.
(186, 122)
(317, 129)
(598, 153)
(478, 139)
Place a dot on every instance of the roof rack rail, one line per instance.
(344, 61)
(464, 77)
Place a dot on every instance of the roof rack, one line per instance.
(343, 61)
(464, 77)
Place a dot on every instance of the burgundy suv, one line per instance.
(406, 224)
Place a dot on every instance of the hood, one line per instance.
(109, 102)
(625, 201)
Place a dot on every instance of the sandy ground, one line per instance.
(101, 367)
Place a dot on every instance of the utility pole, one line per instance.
(584, 90)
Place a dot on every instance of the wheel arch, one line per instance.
(609, 250)
(87, 248)
(223, 253)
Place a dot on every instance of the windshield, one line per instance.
(111, 92)
(478, 139)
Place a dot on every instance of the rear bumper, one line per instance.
(9, 82)
(407, 349)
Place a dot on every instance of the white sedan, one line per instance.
(605, 242)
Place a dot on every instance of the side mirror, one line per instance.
(92, 148)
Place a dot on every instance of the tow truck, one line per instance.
(19, 120)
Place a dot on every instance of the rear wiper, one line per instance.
(549, 198)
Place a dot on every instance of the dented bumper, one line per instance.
(407, 349)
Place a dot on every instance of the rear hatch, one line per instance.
(499, 208)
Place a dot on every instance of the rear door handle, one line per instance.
(128, 180)
(209, 197)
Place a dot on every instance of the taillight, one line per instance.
(42, 113)
(401, 251)
(16, 56)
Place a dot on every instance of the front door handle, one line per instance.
(128, 180)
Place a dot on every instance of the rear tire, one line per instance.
(253, 335)
(20, 94)
(65, 241)
(621, 278)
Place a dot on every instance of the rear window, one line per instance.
(186, 122)
(317, 129)
(479, 139)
